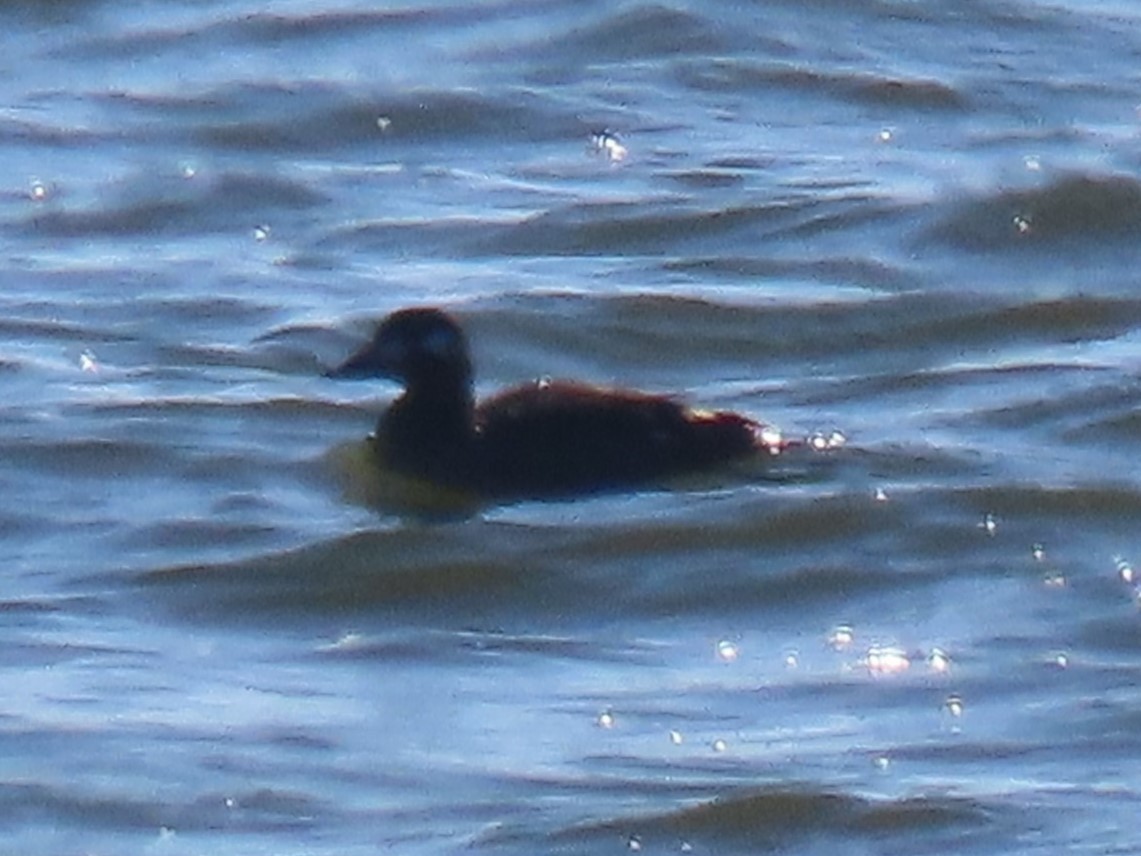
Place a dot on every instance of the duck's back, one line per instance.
(551, 438)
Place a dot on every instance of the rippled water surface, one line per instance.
(905, 231)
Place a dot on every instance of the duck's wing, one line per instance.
(559, 436)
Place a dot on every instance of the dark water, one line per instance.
(911, 226)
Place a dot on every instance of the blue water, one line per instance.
(908, 229)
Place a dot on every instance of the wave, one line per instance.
(1065, 211)
(779, 816)
(260, 810)
(881, 91)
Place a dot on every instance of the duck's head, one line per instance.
(421, 348)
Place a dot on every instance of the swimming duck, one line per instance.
(547, 438)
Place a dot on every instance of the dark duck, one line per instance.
(549, 438)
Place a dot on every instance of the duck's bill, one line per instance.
(357, 367)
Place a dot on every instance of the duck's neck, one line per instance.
(430, 431)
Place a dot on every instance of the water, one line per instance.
(910, 224)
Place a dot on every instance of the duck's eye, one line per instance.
(440, 342)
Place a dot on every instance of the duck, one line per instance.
(540, 439)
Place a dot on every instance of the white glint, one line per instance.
(884, 660)
(349, 641)
(939, 661)
(608, 144)
(954, 706)
(728, 651)
(824, 442)
(772, 439)
(1124, 569)
(841, 637)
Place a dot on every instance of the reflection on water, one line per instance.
(365, 480)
